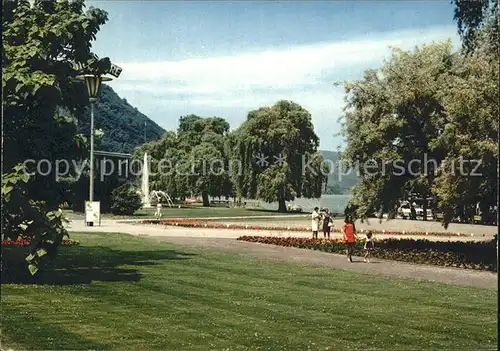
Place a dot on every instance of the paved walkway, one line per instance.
(303, 220)
(224, 240)
(133, 227)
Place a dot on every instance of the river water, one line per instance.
(335, 203)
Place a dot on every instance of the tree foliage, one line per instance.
(472, 17)
(430, 112)
(41, 42)
(470, 99)
(24, 218)
(125, 200)
(430, 104)
(192, 160)
(41, 100)
(282, 132)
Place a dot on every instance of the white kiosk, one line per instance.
(92, 213)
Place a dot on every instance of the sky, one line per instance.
(222, 58)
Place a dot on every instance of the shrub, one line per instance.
(124, 200)
(30, 221)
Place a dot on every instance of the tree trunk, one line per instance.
(206, 201)
(413, 212)
(282, 205)
(424, 207)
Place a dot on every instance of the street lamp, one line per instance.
(93, 83)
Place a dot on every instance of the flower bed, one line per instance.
(190, 223)
(25, 242)
(471, 255)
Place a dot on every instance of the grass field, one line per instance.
(193, 211)
(116, 291)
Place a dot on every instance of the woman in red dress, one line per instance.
(350, 237)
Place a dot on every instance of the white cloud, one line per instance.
(244, 81)
(273, 68)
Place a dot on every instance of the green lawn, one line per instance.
(123, 292)
(193, 211)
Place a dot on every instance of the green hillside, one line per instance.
(122, 124)
(338, 183)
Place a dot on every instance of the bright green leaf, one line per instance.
(33, 269)
(41, 252)
(7, 189)
(25, 177)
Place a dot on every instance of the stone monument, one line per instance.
(146, 203)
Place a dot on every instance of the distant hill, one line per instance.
(122, 124)
(342, 182)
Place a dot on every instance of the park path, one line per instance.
(225, 240)
(304, 221)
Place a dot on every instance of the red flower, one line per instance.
(26, 242)
(186, 222)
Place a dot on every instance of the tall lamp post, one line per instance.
(93, 83)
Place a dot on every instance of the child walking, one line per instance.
(368, 246)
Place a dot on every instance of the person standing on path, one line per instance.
(327, 224)
(158, 213)
(315, 219)
(349, 231)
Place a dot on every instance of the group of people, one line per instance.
(348, 230)
(325, 220)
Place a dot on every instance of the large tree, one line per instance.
(203, 139)
(422, 117)
(278, 152)
(191, 160)
(391, 119)
(41, 42)
(470, 100)
(472, 17)
(453, 98)
(164, 154)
